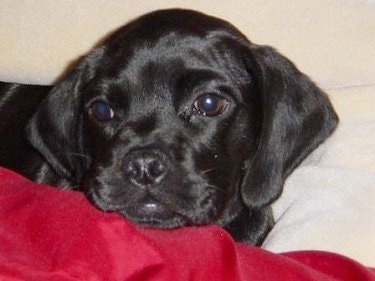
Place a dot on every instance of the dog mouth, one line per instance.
(147, 212)
(151, 213)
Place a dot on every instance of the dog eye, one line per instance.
(101, 110)
(210, 105)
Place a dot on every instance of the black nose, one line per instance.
(145, 167)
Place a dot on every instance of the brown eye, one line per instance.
(210, 105)
(101, 110)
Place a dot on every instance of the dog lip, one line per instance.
(152, 206)
(152, 214)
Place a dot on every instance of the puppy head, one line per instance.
(177, 119)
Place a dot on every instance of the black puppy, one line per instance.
(177, 119)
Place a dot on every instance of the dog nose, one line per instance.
(145, 167)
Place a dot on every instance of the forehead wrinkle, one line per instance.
(153, 68)
(190, 49)
(145, 102)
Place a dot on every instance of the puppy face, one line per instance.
(177, 119)
(171, 126)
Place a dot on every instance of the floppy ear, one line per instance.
(55, 130)
(297, 117)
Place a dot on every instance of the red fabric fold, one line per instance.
(52, 234)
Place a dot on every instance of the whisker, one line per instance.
(81, 156)
(213, 187)
(208, 170)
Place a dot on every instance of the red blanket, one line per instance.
(51, 234)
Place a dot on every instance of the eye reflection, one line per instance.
(101, 110)
(210, 105)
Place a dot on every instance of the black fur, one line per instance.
(176, 119)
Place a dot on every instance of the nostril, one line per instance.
(157, 169)
(132, 168)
